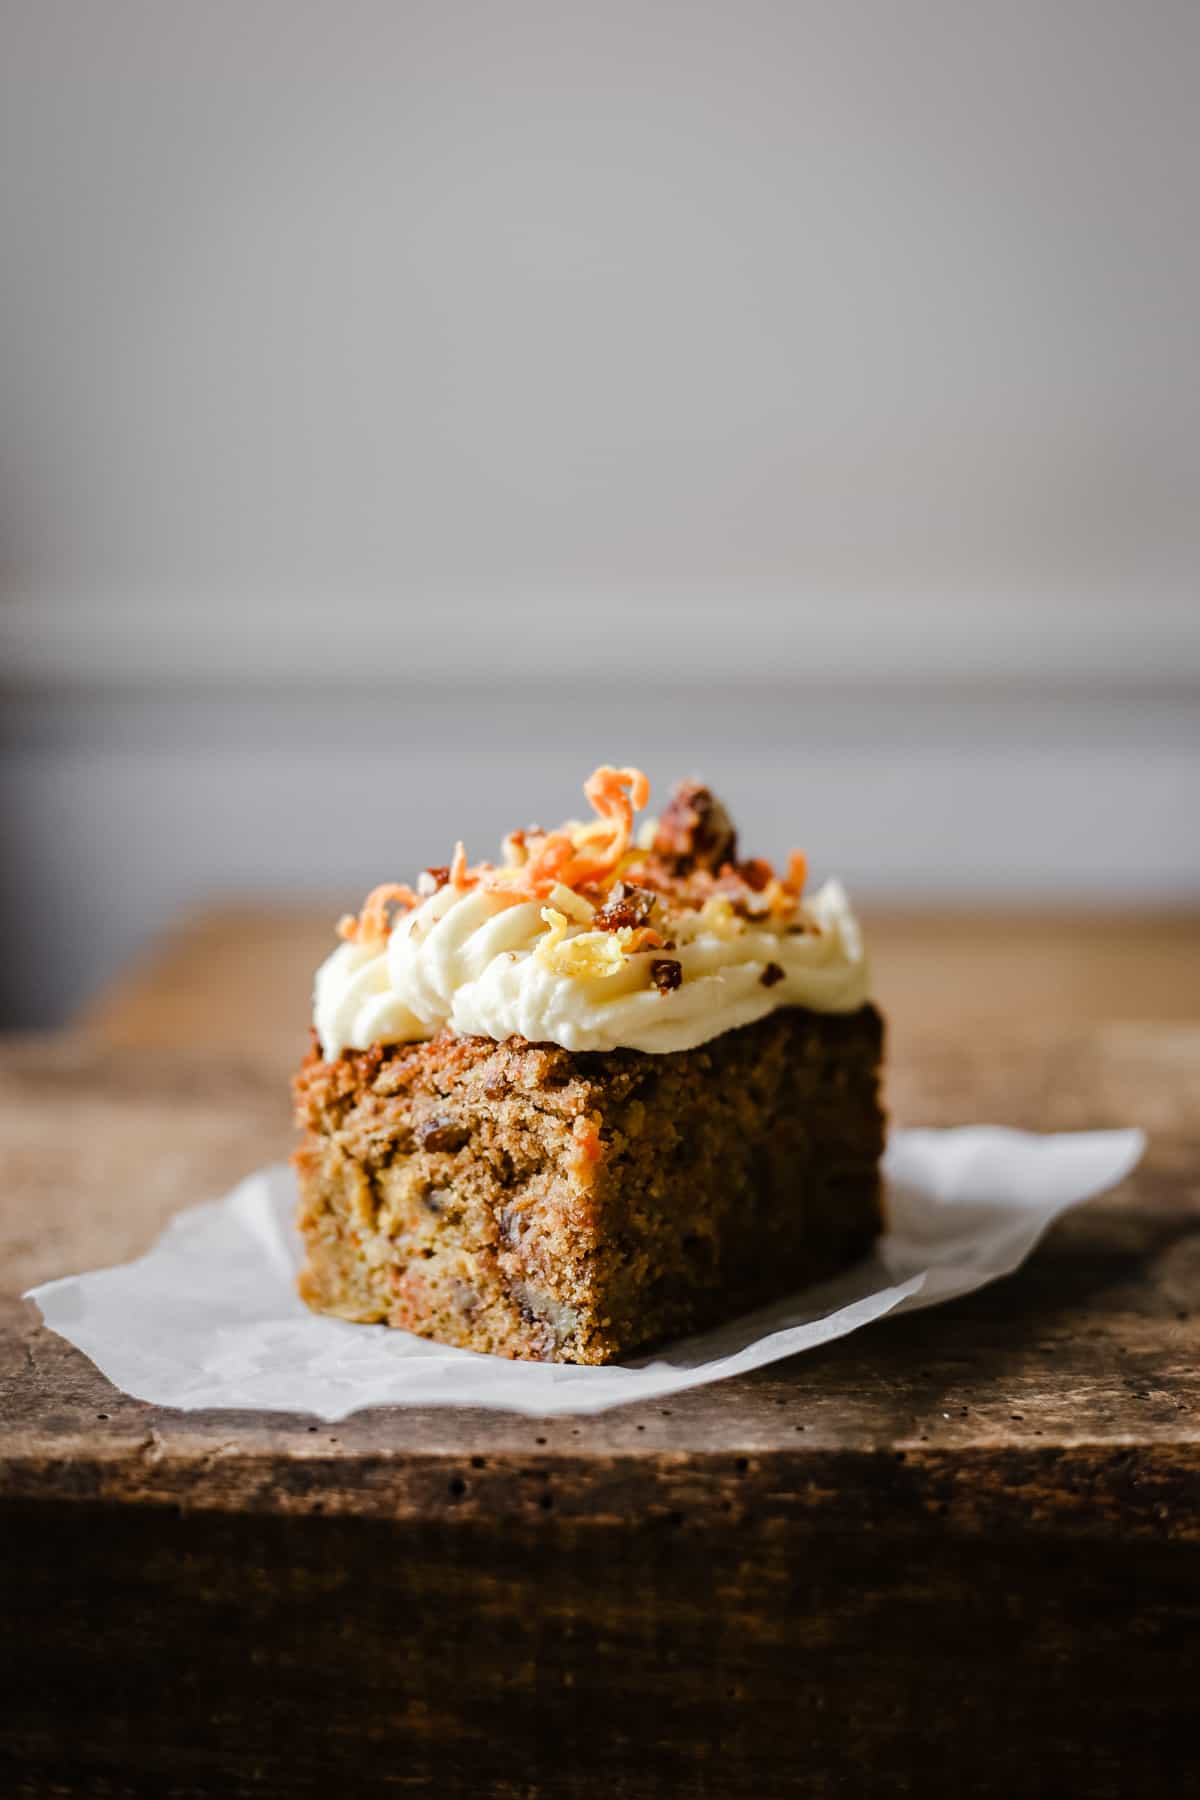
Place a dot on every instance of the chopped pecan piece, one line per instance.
(625, 905)
(756, 873)
(666, 973)
(695, 828)
(745, 886)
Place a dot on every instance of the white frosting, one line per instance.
(466, 960)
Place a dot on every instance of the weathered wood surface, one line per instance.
(1091, 1346)
(958, 1553)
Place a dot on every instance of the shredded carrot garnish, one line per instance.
(373, 920)
(582, 862)
(590, 855)
(797, 873)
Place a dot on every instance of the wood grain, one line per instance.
(956, 1553)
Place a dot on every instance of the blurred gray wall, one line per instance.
(404, 405)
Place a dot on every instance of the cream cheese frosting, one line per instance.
(469, 959)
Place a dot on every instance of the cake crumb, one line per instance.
(598, 1204)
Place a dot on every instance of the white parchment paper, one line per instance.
(210, 1317)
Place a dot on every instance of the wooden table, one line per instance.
(958, 1553)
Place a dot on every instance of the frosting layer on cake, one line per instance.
(656, 948)
(461, 961)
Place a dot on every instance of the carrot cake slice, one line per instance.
(614, 1088)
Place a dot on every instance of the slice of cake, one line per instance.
(604, 1093)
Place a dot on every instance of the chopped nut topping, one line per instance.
(684, 871)
(695, 828)
(752, 888)
(624, 906)
(756, 872)
(666, 973)
(771, 974)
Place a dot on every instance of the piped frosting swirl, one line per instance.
(584, 938)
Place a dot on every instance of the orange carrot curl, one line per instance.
(797, 873)
(590, 855)
(373, 921)
(586, 856)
